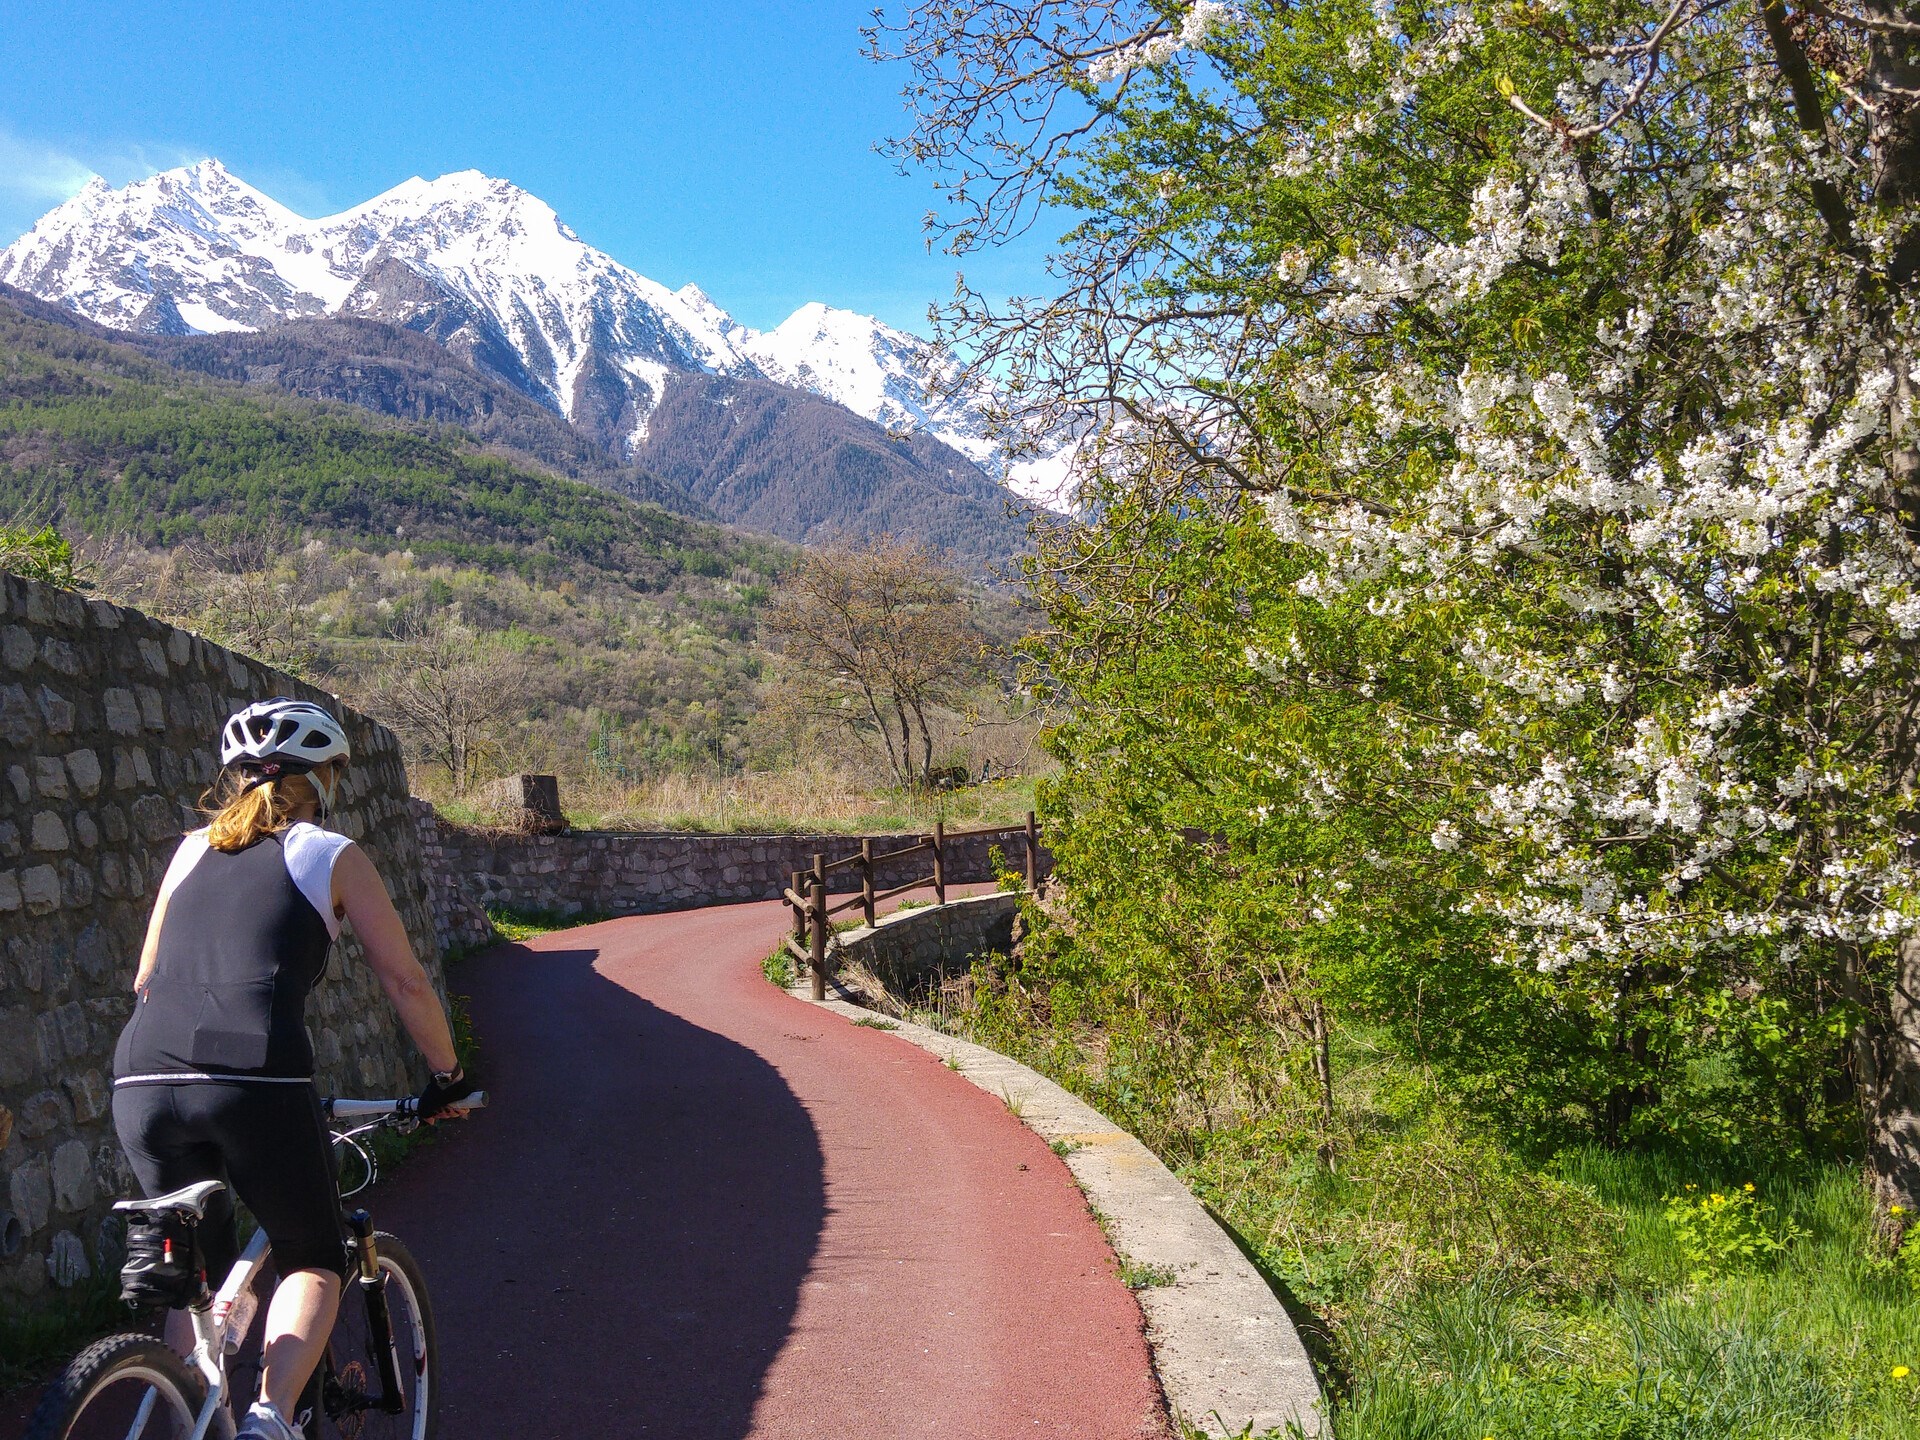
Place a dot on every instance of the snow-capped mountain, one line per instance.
(487, 270)
(896, 379)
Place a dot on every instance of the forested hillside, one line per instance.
(118, 443)
(748, 452)
(333, 542)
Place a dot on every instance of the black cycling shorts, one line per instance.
(268, 1142)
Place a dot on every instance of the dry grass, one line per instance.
(799, 800)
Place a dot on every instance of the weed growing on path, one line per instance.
(875, 1022)
(1144, 1277)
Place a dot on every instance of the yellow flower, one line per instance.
(1719, 1199)
(1748, 1187)
(1900, 1372)
(1897, 1209)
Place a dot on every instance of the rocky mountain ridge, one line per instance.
(492, 274)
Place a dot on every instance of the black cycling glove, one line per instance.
(437, 1097)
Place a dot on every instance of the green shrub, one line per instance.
(1724, 1231)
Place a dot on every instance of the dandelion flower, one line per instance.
(1896, 1209)
(1748, 1187)
(1900, 1372)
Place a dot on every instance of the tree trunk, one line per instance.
(1893, 1099)
(1893, 1108)
(1323, 1073)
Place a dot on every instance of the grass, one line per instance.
(875, 1022)
(518, 925)
(33, 1345)
(1144, 1277)
(800, 800)
(1452, 1287)
(778, 967)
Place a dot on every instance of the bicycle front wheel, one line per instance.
(356, 1402)
(127, 1387)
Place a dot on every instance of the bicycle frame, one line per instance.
(211, 1322)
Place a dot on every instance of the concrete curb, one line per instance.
(1228, 1356)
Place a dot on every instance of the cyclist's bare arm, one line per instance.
(361, 896)
(150, 947)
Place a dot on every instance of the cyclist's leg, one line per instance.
(277, 1149)
(168, 1151)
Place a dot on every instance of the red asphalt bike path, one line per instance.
(699, 1209)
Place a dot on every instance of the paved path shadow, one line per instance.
(620, 1240)
(700, 1209)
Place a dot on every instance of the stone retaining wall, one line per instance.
(900, 963)
(107, 722)
(594, 873)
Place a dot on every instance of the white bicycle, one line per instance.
(376, 1379)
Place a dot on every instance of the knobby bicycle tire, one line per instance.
(101, 1392)
(350, 1372)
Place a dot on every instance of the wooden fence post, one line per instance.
(866, 879)
(1033, 854)
(818, 896)
(817, 909)
(939, 862)
(799, 912)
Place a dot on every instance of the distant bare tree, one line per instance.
(446, 691)
(876, 635)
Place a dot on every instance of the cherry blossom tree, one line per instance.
(1584, 328)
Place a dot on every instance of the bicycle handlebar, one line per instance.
(405, 1106)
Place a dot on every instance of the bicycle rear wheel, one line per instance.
(126, 1387)
(355, 1403)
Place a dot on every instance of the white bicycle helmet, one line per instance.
(276, 737)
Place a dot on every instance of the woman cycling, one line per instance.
(214, 1071)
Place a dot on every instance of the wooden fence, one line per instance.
(806, 896)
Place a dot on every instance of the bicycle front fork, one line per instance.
(379, 1326)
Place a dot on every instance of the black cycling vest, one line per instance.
(240, 948)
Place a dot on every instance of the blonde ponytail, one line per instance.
(238, 816)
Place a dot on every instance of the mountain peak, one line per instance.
(479, 265)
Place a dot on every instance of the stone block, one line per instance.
(154, 819)
(40, 888)
(49, 832)
(6, 1126)
(121, 710)
(83, 768)
(155, 657)
(76, 884)
(9, 892)
(89, 1094)
(180, 648)
(30, 1193)
(10, 846)
(19, 1046)
(16, 647)
(17, 720)
(20, 783)
(75, 1032)
(106, 614)
(56, 711)
(43, 1112)
(153, 709)
(50, 776)
(73, 1187)
(86, 834)
(67, 1262)
(58, 655)
(113, 823)
(93, 955)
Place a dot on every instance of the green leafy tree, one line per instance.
(1574, 343)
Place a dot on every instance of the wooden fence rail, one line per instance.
(806, 896)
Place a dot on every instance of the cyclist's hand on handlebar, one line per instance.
(435, 1100)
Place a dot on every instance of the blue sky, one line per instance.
(727, 144)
